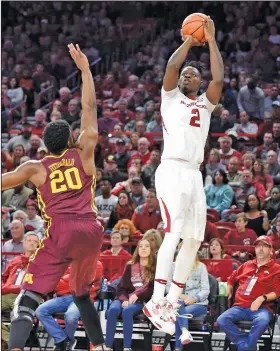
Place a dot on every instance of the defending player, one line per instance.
(65, 181)
(186, 120)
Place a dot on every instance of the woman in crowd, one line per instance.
(135, 288)
(18, 153)
(260, 175)
(272, 204)
(123, 210)
(248, 160)
(219, 195)
(257, 218)
(213, 163)
(15, 92)
(207, 179)
(216, 251)
(193, 300)
(154, 238)
(128, 230)
(133, 144)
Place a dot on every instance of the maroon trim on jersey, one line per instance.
(162, 121)
(161, 281)
(192, 97)
(180, 285)
(167, 215)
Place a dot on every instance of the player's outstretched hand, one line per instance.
(79, 58)
(209, 29)
(195, 42)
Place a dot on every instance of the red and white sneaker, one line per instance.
(171, 311)
(157, 314)
(186, 337)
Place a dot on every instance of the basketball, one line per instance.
(193, 25)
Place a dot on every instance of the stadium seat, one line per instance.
(211, 218)
(214, 213)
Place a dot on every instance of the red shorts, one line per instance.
(75, 241)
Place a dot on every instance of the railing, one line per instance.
(44, 95)
(19, 110)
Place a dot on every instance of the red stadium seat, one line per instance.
(211, 218)
(222, 231)
(214, 213)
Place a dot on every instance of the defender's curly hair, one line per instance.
(56, 136)
(194, 64)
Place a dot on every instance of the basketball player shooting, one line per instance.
(179, 185)
(65, 182)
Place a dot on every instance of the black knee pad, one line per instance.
(25, 305)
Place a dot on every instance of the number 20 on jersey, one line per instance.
(63, 181)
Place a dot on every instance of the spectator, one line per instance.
(126, 185)
(121, 156)
(22, 217)
(122, 113)
(73, 112)
(260, 176)
(273, 166)
(41, 79)
(226, 151)
(139, 116)
(143, 151)
(276, 110)
(107, 122)
(41, 152)
(23, 139)
(111, 167)
(135, 288)
(276, 132)
(154, 238)
(106, 148)
(110, 89)
(137, 162)
(273, 96)
(133, 145)
(216, 251)
(16, 243)
(118, 134)
(193, 301)
(268, 144)
(64, 97)
(40, 121)
(136, 194)
(35, 143)
(233, 174)
(106, 203)
(33, 221)
(149, 170)
(130, 89)
(15, 92)
(251, 99)
(275, 238)
(257, 218)
(127, 229)
(55, 115)
(213, 162)
(155, 125)
(116, 247)
(272, 204)
(248, 160)
(12, 278)
(222, 123)
(123, 210)
(64, 338)
(16, 197)
(246, 188)
(240, 236)
(219, 195)
(245, 126)
(147, 216)
(18, 153)
(255, 304)
(265, 127)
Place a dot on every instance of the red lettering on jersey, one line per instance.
(195, 119)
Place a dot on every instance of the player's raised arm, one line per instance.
(89, 127)
(27, 171)
(176, 61)
(215, 87)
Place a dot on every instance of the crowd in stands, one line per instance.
(241, 169)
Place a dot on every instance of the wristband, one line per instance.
(265, 298)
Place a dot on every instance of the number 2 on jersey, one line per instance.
(62, 181)
(195, 119)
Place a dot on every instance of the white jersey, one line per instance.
(185, 125)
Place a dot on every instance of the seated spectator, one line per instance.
(154, 238)
(260, 175)
(147, 216)
(133, 143)
(233, 174)
(139, 116)
(272, 204)
(35, 143)
(17, 197)
(268, 144)
(111, 169)
(127, 229)
(110, 89)
(216, 251)
(155, 125)
(252, 301)
(273, 96)
(143, 151)
(123, 210)
(240, 236)
(40, 121)
(220, 124)
(265, 127)
(257, 218)
(73, 112)
(248, 160)
(134, 289)
(21, 216)
(137, 194)
(116, 245)
(137, 162)
(130, 89)
(64, 338)
(105, 203)
(122, 113)
(12, 278)
(226, 151)
(107, 122)
(149, 170)
(55, 115)
(118, 135)
(133, 172)
(274, 238)
(276, 130)
(121, 156)
(18, 153)
(42, 152)
(106, 147)
(22, 139)
(193, 300)
(64, 97)
(160, 228)
(273, 166)
(33, 221)
(245, 127)
(219, 195)
(213, 162)
(15, 92)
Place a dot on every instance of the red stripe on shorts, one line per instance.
(168, 219)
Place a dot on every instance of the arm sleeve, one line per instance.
(123, 290)
(169, 94)
(210, 107)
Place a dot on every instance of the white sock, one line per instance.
(183, 267)
(164, 263)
